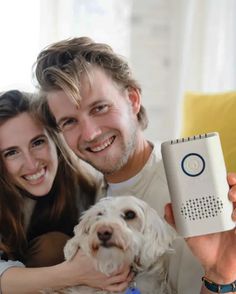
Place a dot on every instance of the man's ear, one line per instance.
(135, 99)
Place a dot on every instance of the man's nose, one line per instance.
(89, 129)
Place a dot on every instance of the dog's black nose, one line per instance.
(104, 233)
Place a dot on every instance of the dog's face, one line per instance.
(120, 230)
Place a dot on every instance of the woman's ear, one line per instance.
(135, 99)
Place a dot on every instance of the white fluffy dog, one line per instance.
(124, 229)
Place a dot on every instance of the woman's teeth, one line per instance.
(35, 176)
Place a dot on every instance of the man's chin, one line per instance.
(108, 167)
(106, 171)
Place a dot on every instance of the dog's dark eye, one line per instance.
(129, 214)
(100, 213)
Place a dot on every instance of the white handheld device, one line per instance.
(196, 177)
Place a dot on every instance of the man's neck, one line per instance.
(134, 165)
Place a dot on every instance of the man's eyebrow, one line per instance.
(95, 103)
(91, 105)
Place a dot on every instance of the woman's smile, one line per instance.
(37, 177)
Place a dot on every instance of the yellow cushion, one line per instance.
(204, 113)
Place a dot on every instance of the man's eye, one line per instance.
(103, 108)
(67, 123)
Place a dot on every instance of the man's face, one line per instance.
(102, 130)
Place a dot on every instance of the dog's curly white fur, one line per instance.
(124, 229)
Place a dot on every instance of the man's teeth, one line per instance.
(35, 176)
(103, 146)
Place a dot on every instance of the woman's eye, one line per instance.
(38, 142)
(10, 154)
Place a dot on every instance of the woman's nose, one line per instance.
(30, 162)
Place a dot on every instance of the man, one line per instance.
(96, 103)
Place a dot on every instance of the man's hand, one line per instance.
(216, 252)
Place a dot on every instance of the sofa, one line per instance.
(212, 112)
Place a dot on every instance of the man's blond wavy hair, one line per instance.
(61, 65)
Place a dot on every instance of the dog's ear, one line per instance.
(158, 237)
(76, 242)
(72, 245)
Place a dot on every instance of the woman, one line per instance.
(42, 192)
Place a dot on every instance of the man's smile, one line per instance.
(102, 146)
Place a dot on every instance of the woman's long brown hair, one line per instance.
(72, 190)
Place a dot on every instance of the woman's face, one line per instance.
(29, 154)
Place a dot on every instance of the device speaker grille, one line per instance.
(201, 208)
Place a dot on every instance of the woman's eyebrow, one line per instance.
(38, 137)
(8, 149)
(15, 147)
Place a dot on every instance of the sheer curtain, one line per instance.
(209, 61)
(103, 20)
(203, 48)
(206, 56)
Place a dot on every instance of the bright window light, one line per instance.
(19, 33)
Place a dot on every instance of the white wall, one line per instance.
(153, 33)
